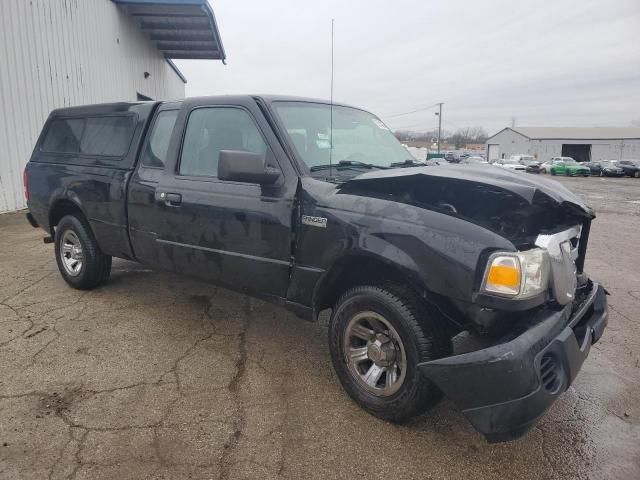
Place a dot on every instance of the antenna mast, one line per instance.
(331, 110)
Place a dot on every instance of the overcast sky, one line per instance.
(544, 62)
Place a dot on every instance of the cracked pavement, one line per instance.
(154, 376)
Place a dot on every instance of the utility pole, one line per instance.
(439, 114)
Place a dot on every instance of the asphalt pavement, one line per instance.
(154, 376)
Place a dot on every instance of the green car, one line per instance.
(570, 168)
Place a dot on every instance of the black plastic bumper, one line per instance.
(505, 388)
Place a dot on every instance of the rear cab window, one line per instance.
(93, 136)
(107, 136)
(63, 136)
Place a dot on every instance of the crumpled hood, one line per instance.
(524, 185)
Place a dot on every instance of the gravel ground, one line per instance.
(157, 376)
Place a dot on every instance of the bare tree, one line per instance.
(467, 135)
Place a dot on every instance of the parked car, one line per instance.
(244, 192)
(605, 168)
(509, 164)
(546, 166)
(451, 157)
(569, 168)
(532, 166)
(521, 158)
(529, 161)
(631, 168)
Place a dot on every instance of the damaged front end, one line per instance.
(505, 387)
(533, 308)
(518, 209)
(547, 226)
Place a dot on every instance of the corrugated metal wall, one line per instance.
(57, 53)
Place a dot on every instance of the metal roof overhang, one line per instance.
(180, 29)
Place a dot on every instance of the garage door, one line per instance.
(493, 152)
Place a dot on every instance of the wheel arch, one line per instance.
(363, 268)
(61, 207)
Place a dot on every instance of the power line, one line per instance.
(414, 125)
(413, 111)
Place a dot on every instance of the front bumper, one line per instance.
(505, 388)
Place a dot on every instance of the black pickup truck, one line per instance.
(462, 281)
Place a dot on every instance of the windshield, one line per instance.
(511, 162)
(358, 136)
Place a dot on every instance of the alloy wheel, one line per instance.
(71, 253)
(374, 354)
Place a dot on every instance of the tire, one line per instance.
(544, 170)
(636, 174)
(602, 173)
(92, 267)
(420, 340)
(553, 172)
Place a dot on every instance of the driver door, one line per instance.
(236, 234)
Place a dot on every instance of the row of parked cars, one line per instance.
(569, 167)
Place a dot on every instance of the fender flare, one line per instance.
(60, 195)
(374, 249)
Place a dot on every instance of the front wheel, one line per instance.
(377, 338)
(80, 260)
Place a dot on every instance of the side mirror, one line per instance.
(241, 166)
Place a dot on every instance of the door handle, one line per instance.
(171, 199)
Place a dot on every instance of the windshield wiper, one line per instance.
(409, 162)
(346, 163)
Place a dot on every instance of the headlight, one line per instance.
(517, 275)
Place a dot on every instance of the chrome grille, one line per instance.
(562, 248)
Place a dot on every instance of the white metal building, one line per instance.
(60, 53)
(583, 144)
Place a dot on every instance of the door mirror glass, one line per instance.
(241, 166)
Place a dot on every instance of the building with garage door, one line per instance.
(60, 53)
(583, 144)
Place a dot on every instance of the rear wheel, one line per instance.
(80, 260)
(636, 174)
(377, 337)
